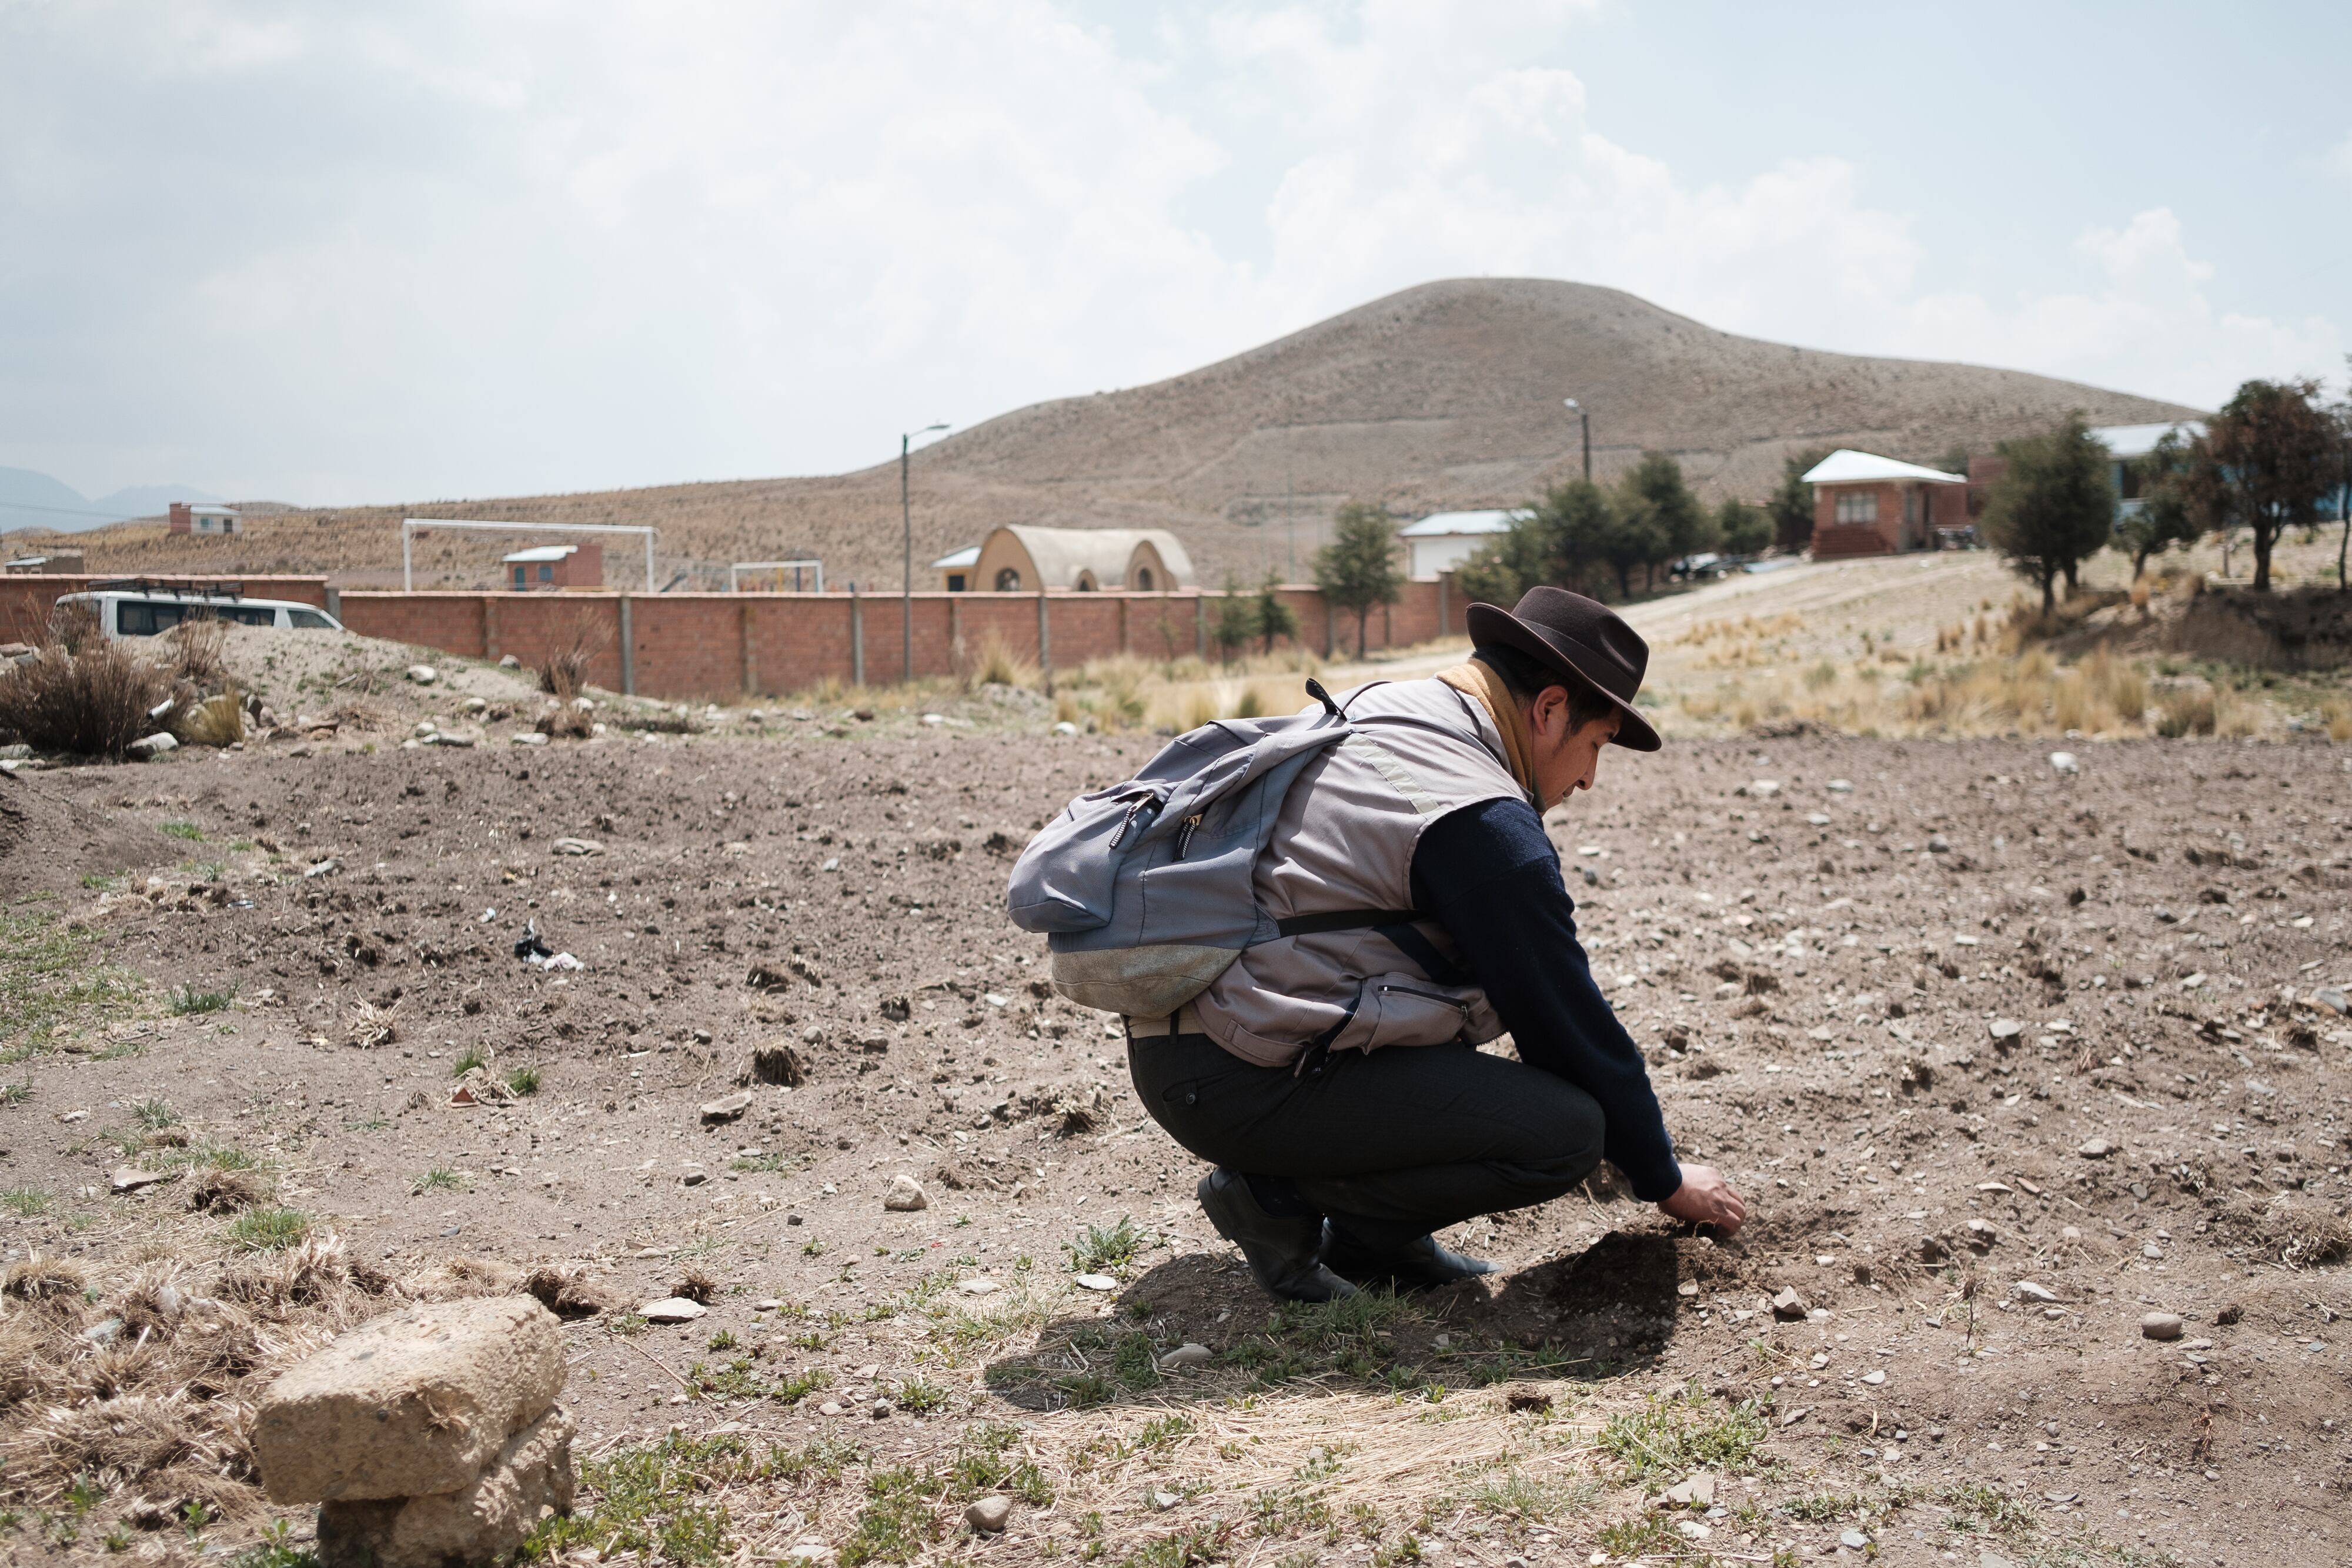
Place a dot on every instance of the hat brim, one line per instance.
(1491, 623)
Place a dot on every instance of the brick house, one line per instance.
(206, 519)
(1867, 505)
(555, 566)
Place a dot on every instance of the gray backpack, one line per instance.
(1145, 890)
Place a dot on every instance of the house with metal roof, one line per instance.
(1867, 505)
(1441, 541)
(555, 566)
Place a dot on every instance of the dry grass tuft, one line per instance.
(93, 703)
(565, 1291)
(998, 666)
(47, 1282)
(215, 1190)
(696, 1285)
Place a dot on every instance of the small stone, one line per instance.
(1874, 1377)
(1788, 1304)
(127, 1179)
(693, 1177)
(1097, 1282)
(1841, 787)
(2095, 1149)
(578, 847)
(1164, 1501)
(1933, 1252)
(152, 745)
(2064, 762)
(727, 1108)
(2229, 1315)
(1853, 1540)
(2333, 998)
(1937, 844)
(989, 1515)
(1798, 1413)
(485, 1521)
(1185, 1356)
(672, 1310)
(1764, 789)
(509, 662)
(2035, 1293)
(2160, 1325)
(830, 1407)
(1691, 1530)
(1988, 1557)
(2004, 1028)
(1687, 1287)
(905, 1195)
(881, 1410)
(1699, 1492)
(323, 868)
(424, 674)
(978, 1287)
(527, 737)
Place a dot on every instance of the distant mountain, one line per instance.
(1440, 398)
(30, 499)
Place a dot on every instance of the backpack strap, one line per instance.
(1396, 924)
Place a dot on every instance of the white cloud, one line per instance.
(488, 247)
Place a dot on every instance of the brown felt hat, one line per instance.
(1569, 632)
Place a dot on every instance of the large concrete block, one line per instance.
(484, 1522)
(410, 1405)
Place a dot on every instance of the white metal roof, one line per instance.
(1847, 466)
(2129, 441)
(968, 556)
(539, 553)
(1454, 524)
(212, 508)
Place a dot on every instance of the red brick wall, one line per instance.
(1832, 539)
(717, 646)
(26, 599)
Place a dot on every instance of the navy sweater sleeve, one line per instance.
(1490, 876)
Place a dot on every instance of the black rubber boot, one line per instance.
(1281, 1252)
(1419, 1265)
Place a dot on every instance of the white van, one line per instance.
(143, 612)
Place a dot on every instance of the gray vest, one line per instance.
(1344, 840)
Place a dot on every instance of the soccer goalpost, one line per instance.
(409, 525)
(797, 568)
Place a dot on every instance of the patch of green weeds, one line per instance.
(723, 1339)
(1088, 1389)
(1164, 1432)
(523, 1081)
(1819, 1508)
(26, 1202)
(919, 1395)
(269, 1230)
(988, 1460)
(188, 831)
(16, 1093)
(440, 1178)
(897, 1521)
(1645, 1533)
(154, 1113)
(626, 1324)
(468, 1060)
(275, 1548)
(1287, 1513)
(1537, 1499)
(1104, 1250)
(99, 881)
(1685, 1431)
(1979, 1507)
(1212, 1542)
(187, 1002)
(792, 1390)
(656, 1502)
(49, 977)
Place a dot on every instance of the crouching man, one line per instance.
(1331, 1075)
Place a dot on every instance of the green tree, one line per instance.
(1499, 571)
(2168, 513)
(2266, 461)
(1790, 506)
(1236, 621)
(1742, 529)
(2343, 412)
(1661, 519)
(1273, 613)
(2054, 508)
(1358, 568)
(1584, 526)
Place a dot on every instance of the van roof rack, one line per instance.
(181, 588)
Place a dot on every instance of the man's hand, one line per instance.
(1705, 1198)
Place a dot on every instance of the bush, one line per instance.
(93, 703)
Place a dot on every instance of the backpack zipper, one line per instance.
(1185, 834)
(1133, 811)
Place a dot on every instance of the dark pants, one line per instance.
(1389, 1146)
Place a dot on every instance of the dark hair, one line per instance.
(1527, 677)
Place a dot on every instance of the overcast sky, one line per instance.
(398, 251)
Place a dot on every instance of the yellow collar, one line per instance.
(1477, 679)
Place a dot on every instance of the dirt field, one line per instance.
(2005, 1057)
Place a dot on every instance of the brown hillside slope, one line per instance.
(1441, 396)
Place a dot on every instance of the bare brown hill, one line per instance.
(1445, 395)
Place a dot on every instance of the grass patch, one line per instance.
(897, 1521)
(1677, 1433)
(523, 1081)
(269, 1230)
(47, 978)
(656, 1503)
(470, 1058)
(187, 1002)
(1104, 1250)
(1642, 1535)
(26, 1202)
(763, 1163)
(1537, 1499)
(990, 1459)
(188, 831)
(920, 1395)
(16, 1093)
(154, 1113)
(440, 1178)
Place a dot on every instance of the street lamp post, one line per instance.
(1584, 418)
(906, 584)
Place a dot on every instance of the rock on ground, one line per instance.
(484, 1522)
(410, 1405)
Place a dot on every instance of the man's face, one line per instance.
(1566, 757)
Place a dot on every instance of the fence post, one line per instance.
(1444, 580)
(750, 671)
(857, 637)
(335, 600)
(1201, 625)
(628, 647)
(490, 649)
(1044, 642)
